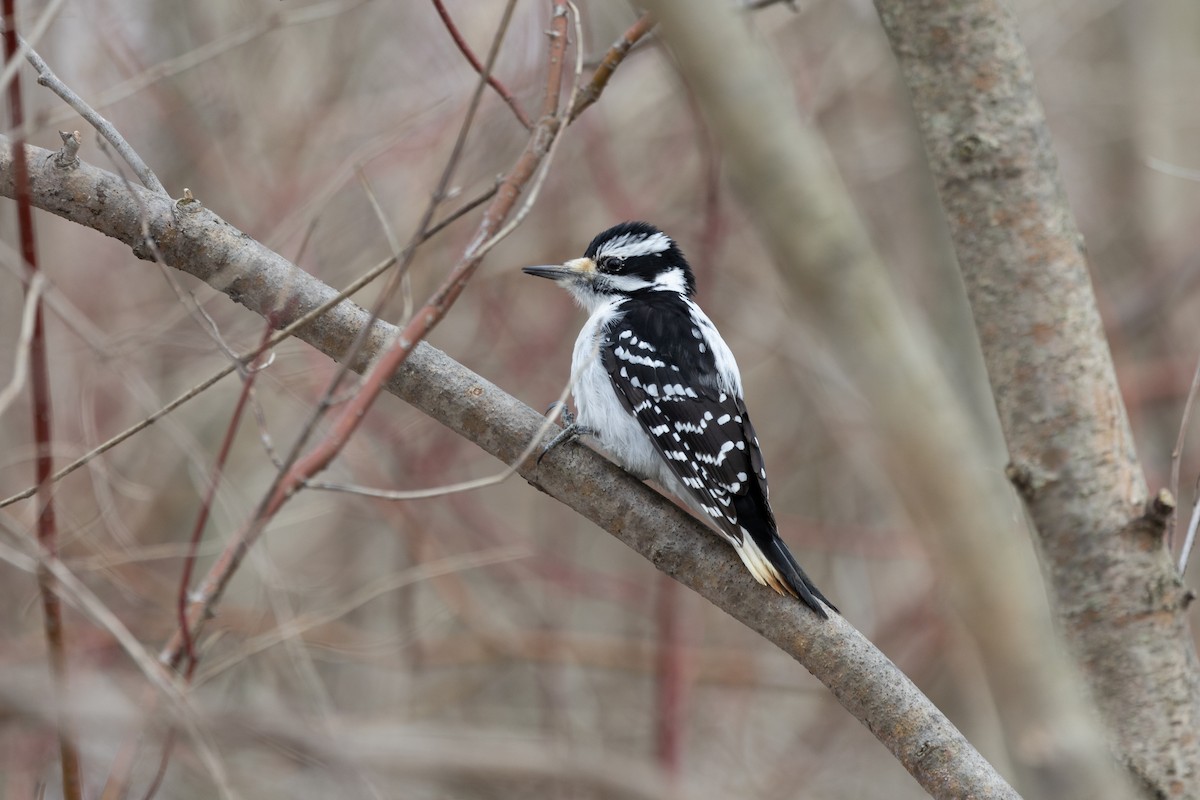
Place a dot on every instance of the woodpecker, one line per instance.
(659, 389)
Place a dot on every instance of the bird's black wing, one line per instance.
(700, 428)
(671, 387)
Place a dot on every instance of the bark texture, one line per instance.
(1121, 602)
(867, 684)
(938, 463)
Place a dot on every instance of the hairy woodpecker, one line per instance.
(658, 387)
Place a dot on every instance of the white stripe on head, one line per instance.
(631, 245)
(672, 281)
(626, 283)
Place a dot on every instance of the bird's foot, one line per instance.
(568, 434)
(568, 417)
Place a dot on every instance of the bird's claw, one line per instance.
(568, 434)
(567, 416)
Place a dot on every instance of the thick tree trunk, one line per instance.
(1121, 602)
(938, 463)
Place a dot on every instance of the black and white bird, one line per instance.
(658, 387)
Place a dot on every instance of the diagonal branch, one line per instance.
(473, 60)
(608, 65)
(47, 78)
(863, 679)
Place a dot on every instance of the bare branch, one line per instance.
(937, 462)
(1115, 588)
(471, 58)
(47, 78)
(33, 299)
(162, 682)
(43, 412)
(861, 677)
(246, 358)
(1176, 459)
(305, 15)
(612, 59)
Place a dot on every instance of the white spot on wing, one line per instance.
(633, 358)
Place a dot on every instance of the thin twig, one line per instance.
(33, 299)
(47, 78)
(222, 570)
(293, 470)
(478, 483)
(11, 65)
(248, 357)
(214, 480)
(1176, 458)
(276, 20)
(612, 59)
(1191, 539)
(550, 111)
(389, 233)
(39, 374)
(492, 80)
(75, 592)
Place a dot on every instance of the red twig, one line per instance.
(249, 373)
(291, 477)
(214, 480)
(435, 309)
(502, 205)
(294, 477)
(612, 59)
(277, 337)
(468, 54)
(47, 528)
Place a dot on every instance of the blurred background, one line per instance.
(493, 644)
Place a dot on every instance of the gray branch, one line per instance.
(198, 242)
(1120, 599)
(938, 462)
(51, 81)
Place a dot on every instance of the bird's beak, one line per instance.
(572, 270)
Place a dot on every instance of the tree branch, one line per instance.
(43, 412)
(1121, 601)
(937, 463)
(197, 241)
(473, 60)
(608, 65)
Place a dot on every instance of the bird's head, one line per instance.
(626, 260)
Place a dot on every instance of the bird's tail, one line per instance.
(772, 564)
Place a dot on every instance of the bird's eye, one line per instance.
(611, 263)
